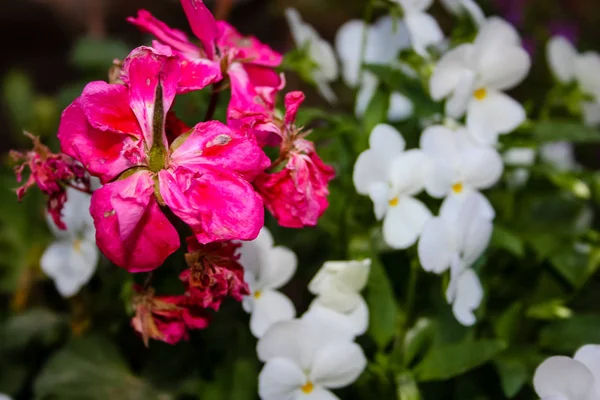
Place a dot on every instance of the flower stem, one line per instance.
(214, 100)
(409, 305)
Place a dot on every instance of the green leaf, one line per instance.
(417, 339)
(377, 110)
(507, 325)
(570, 334)
(18, 97)
(244, 383)
(549, 310)
(576, 264)
(447, 361)
(92, 53)
(382, 306)
(514, 374)
(35, 324)
(558, 130)
(90, 368)
(505, 239)
(406, 387)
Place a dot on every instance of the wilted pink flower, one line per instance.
(214, 273)
(118, 133)
(165, 318)
(51, 173)
(297, 194)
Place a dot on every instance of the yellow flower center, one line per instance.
(393, 202)
(308, 387)
(77, 245)
(457, 188)
(257, 294)
(480, 94)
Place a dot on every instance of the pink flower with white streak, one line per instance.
(118, 133)
(296, 195)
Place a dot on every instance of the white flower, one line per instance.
(5, 397)
(267, 268)
(455, 240)
(460, 167)
(565, 378)
(337, 286)
(423, 28)
(384, 40)
(522, 158)
(304, 360)
(473, 76)
(319, 51)
(469, 7)
(560, 155)
(567, 65)
(391, 177)
(72, 258)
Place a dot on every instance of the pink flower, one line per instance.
(118, 133)
(296, 195)
(214, 273)
(165, 318)
(51, 173)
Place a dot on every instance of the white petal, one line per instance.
(559, 154)
(404, 222)
(496, 33)
(496, 114)
(55, 257)
(351, 275)
(318, 393)
(414, 5)
(400, 107)
(589, 355)
(424, 31)
(347, 45)
(408, 172)
(338, 364)
(453, 204)
(75, 214)
(436, 246)
(393, 35)
(254, 253)
(322, 53)
(474, 229)
(474, 11)
(563, 376)
(379, 192)
(367, 90)
(481, 167)
(448, 71)
(591, 113)
(561, 58)
(325, 90)
(277, 269)
(586, 71)
(519, 156)
(270, 307)
(457, 103)
(469, 294)
(355, 321)
(279, 380)
(504, 69)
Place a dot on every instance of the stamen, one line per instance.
(393, 202)
(480, 94)
(257, 294)
(457, 187)
(308, 387)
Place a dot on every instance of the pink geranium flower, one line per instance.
(297, 194)
(118, 133)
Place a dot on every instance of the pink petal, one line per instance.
(214, 143)
(248, 48)
(106, 107)
(104, 154)
(203, 24)
(293, 101)
(215, 203)
(197, 74)
(131, 230)
(168, 36)
(248, 92)
(148, 74)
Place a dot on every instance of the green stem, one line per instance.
(409, 305)
(214, 100)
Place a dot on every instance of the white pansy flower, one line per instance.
(568, 66)
(561, 155)
(522, 158)
(391, 177)
(319, 51)
(460, 167)
(337, 286)
(455, 240)
(304, 360)
(469, 7)
(384, 40)
(266, 269)
(72, 258)
(423, 28)
(566, 378)
(472, 77)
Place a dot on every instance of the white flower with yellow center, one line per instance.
(384, 40)
(337, 286)
(566, 378)
(304, 360)
(319, 51)
(266, 269)
(568, 66)
(455, 240)
(472, 78)
(391, 177)
(72, 259)
(423, 28)
(461, 168)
